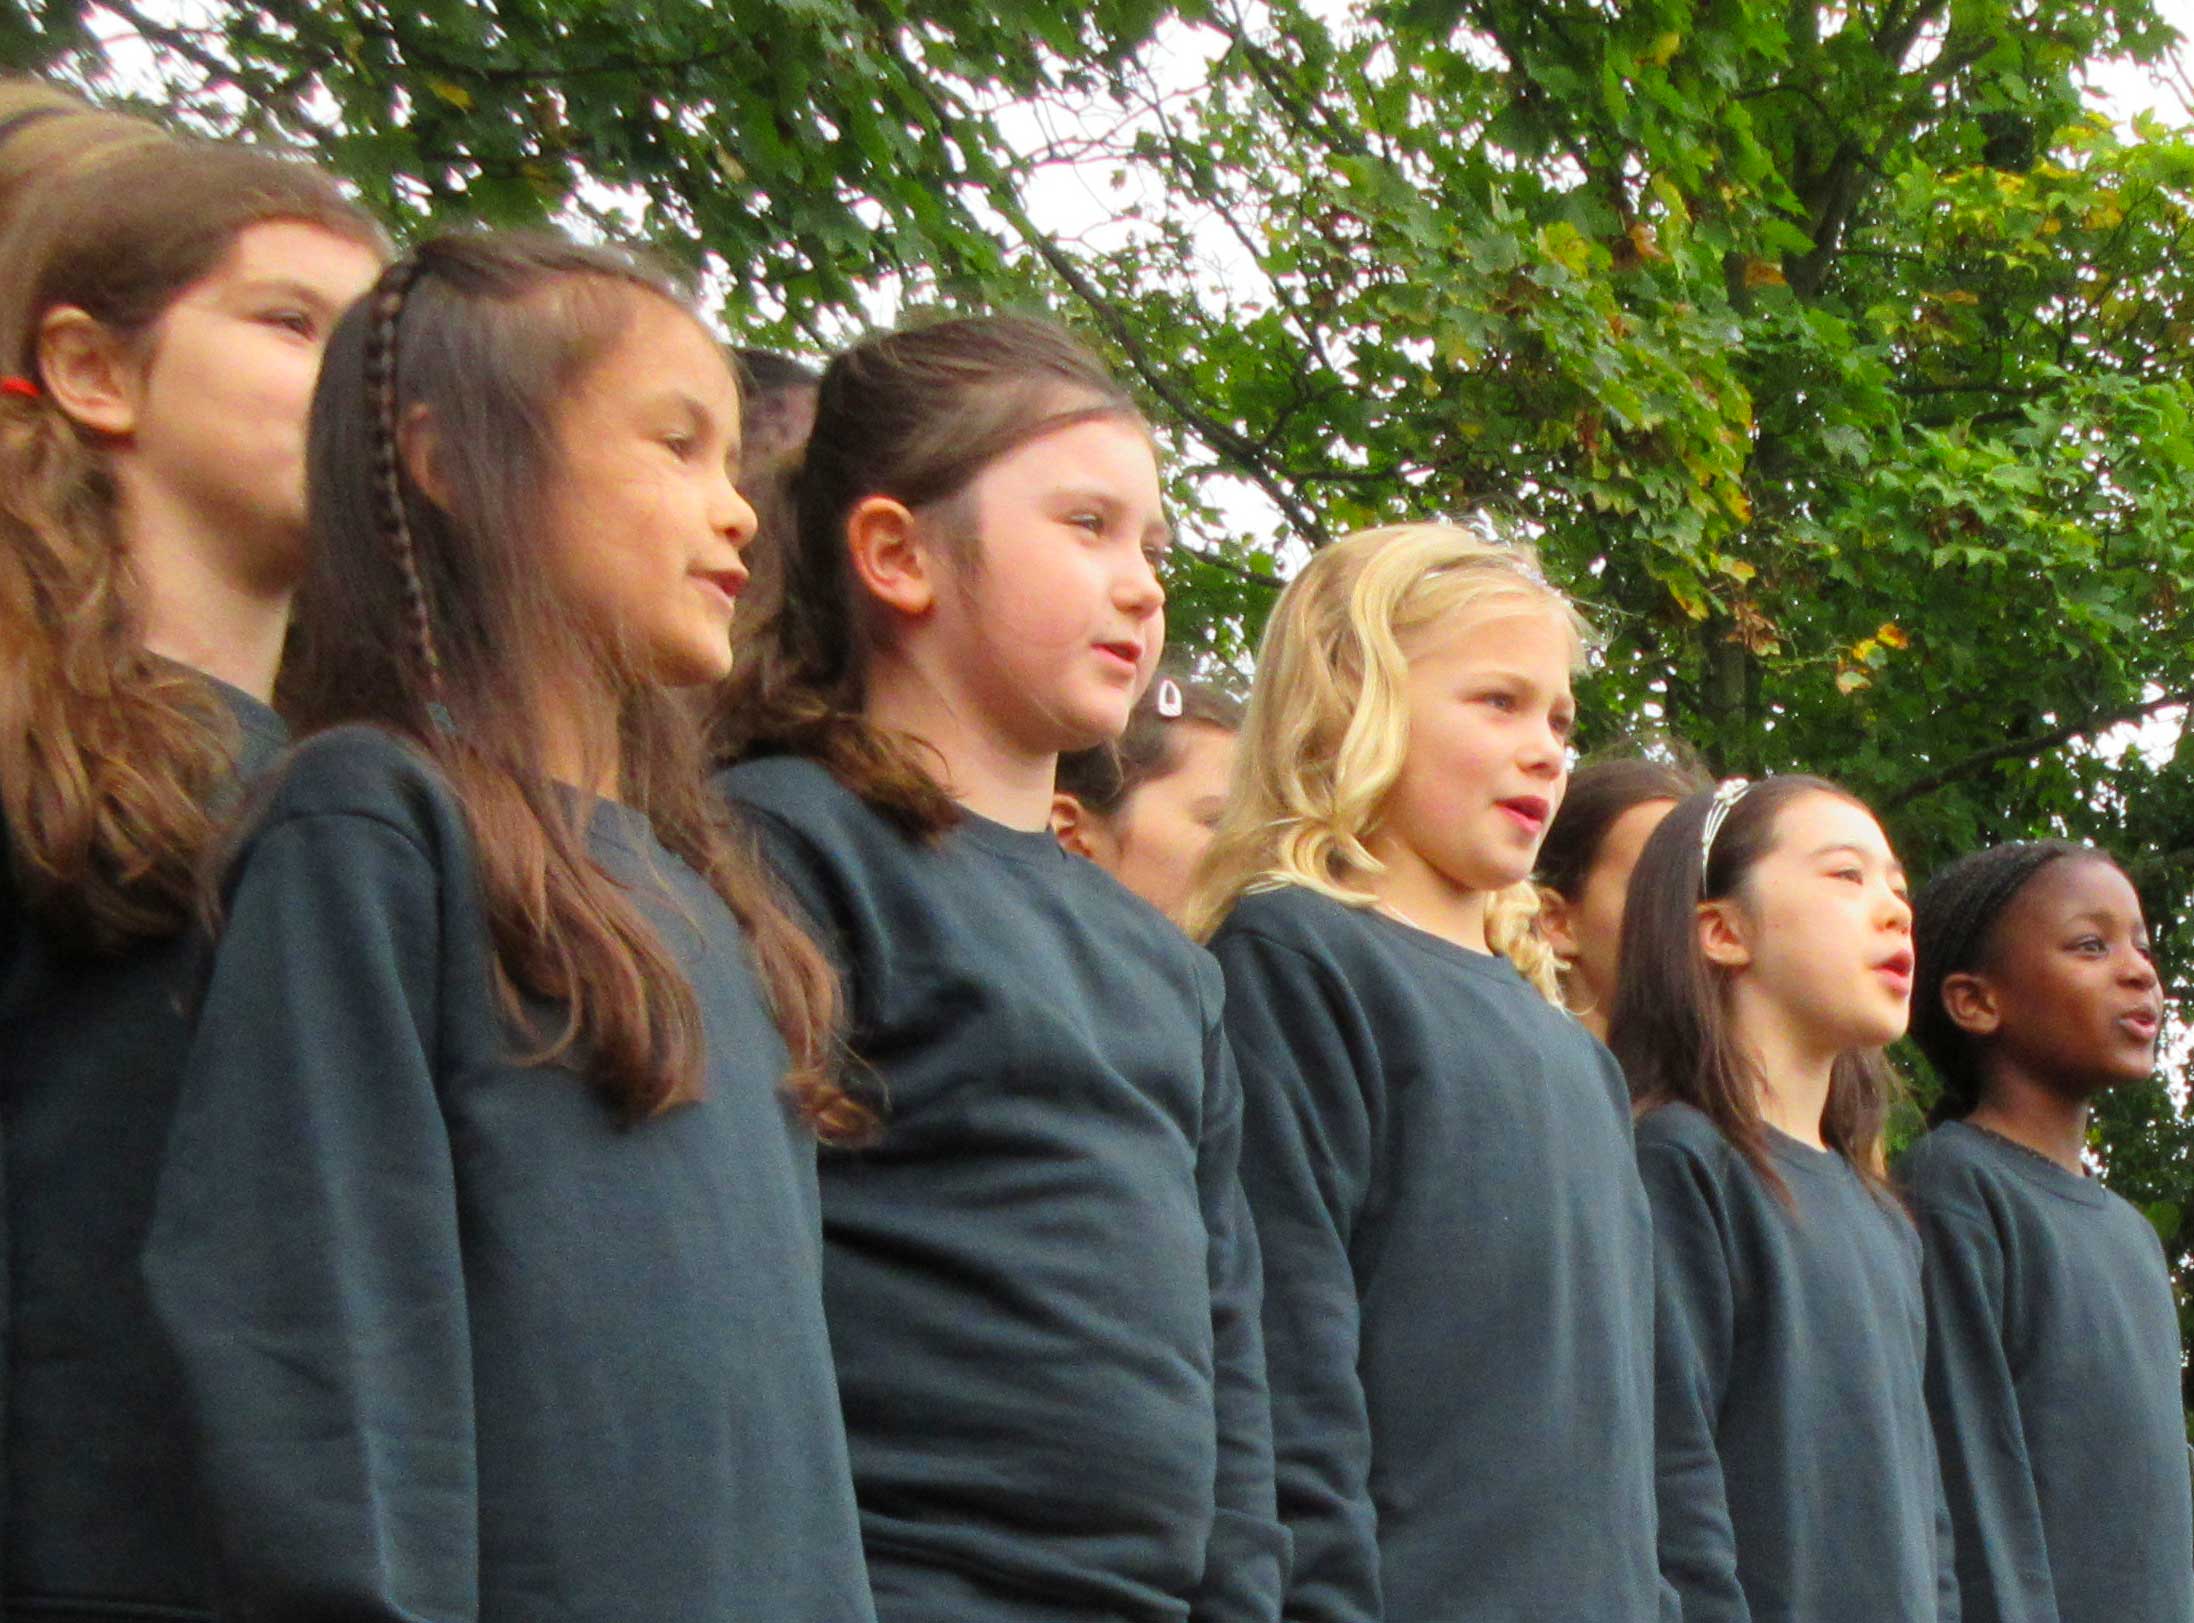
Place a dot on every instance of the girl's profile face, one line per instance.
(1155, 838)
(1588, 932)
(217, 430)
(1054, 625)
(2075, 998)
(1490, 715)
(647, 525)
(1826, 927)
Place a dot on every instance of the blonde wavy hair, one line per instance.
(1328, 724)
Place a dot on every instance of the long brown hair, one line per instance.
(433, 618)
(1671, 1026)
(109, 758)
(916, 415)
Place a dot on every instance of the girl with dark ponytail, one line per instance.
(1766, 960)
(2053, 1345)
(487, 1237)
(1042, 1279)
(163, 304)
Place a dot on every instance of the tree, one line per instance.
(1840, 355)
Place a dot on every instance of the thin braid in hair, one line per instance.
(381, 363)
(1954, 918)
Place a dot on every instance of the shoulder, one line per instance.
(366, 773)
(1294, 917)
(1679, 1133)
(1947, 1165)
(793, 789)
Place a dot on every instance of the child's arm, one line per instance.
(1306, 1166)
(2002, 1561)
(1694, 1333)
(1245, 1566)
(304, 1256)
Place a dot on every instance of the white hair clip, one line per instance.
(1169, 701)
(1726, 795)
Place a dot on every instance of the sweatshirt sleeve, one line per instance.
(304, 1256)
(1694, 1333)
(1995, 1533)
(1306, 1166)
(1245, 1563)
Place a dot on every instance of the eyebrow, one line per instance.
(290, 288)
(1157, 529)
(1895, 867)
(702, 416)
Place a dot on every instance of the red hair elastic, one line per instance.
(21, 388)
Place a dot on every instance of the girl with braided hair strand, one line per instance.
(488, 1234)
(1766, 958)
(2053, 1345)
(163, 304)
(1459, 1286)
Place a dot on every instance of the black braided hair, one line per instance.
(1953, 928)
(382, 347)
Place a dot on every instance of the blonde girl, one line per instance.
(1458, 1302)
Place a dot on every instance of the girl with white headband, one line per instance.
(1766, 959)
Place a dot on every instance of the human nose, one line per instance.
(731, 515)
(1896, 912)
(1140, 592)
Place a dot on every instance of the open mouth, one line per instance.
(724, 583)
(1897, 970)
(1129, 654)
(2144, 1023)
(1530, 812)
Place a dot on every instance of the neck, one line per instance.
(1592, 1018)
(2030, 1112)
(1411, 890)
(197, 613)
(573, 751)
(1794, 1069)
(991, 775)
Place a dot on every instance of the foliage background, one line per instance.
(1840, 356)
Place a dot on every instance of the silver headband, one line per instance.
(1726, 795)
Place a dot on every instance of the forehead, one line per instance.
(1114, 452)
(2074, 886)
(337, 266)
(1511, 631)
(1816, 820)
(663, 350)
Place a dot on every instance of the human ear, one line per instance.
(1076, 828)
(1972, 1004)
(1722, 936)
(419, 445)
(890, 560)
(89, 372)
(1556, 924)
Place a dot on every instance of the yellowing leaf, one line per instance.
(1664, 48)
(455, 94)
(1851, 681)
(1892, 636)
(1764, 273)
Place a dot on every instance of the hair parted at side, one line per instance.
(1105, 775)
(1328, 724)
(916, 415)
(111, 761)
(1672, 1028)
(1954, 933)
(433, 617)
(1600, 792)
